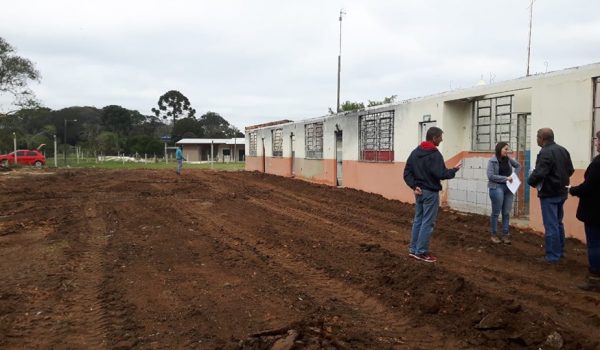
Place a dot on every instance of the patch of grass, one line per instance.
(91, 163)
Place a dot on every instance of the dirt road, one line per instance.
(145, 259)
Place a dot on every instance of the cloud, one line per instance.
(255, 61)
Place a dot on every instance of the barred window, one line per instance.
(377, 137)
(277, 139)
(313, 139)
(252, 137)
(493, 121)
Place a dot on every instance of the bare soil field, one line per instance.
(94, 259)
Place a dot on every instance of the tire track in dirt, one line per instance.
(322, 287)
(302, 217)
(79, 304)
(59, 285)
(450, 232)
(159, 273)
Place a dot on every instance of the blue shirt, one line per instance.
(179, 154)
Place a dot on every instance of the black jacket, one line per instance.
(588, 192)
(425, 168)
(553, 168)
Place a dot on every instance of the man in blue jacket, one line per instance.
(425, 168)
(553, 168)
(180, 158)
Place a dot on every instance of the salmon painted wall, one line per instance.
(316, 170)
(320, 171)
(573, 227)
(253, 163)
(386, 179)
(281, 166)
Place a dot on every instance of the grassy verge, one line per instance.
(91, 163)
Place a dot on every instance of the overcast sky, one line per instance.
(255, 61)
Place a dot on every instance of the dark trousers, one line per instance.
(592, 236)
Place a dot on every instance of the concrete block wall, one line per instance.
(468, 190)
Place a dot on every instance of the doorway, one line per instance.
(523, 156)
(264, 160)
(292, 155)
(338, 158)
(423, 127)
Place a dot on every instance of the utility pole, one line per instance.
(55, 153)
(529, 44)
(15, 147)
(339, 62)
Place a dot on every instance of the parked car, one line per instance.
(24, 157)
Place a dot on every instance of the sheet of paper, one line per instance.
(514, 185)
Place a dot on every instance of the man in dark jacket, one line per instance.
(424, 169)
(588, 211)
(553, 168)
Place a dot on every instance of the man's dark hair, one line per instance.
(432, 132)
(499, 146)
(546, 134)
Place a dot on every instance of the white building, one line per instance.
(218, 150)
(367, 149)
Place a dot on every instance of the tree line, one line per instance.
(108, 130)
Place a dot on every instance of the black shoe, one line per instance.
(592, 284)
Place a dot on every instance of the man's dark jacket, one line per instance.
(553, 168)
(425, 168)
(588, 192)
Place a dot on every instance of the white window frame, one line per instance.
(277, 142)
(252, 143)
(313, 140)
(376, 137)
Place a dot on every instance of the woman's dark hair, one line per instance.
(499, 146)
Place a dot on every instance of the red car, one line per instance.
(24, 157)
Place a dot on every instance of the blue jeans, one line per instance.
(592, 236)
(552, 214)
(179, 165)
(502, 199)
(426, 210)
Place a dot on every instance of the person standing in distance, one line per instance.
(425, 168)
(499, 172)
(553, 168)
(588, 211)
(180, 158)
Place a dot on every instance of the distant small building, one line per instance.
(222, 150)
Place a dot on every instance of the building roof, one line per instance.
(455, 94)
(232, 141)
(258, 126)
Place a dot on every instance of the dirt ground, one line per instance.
(95, 259)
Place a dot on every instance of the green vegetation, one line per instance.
(15, 74)
(349, 106)
(91, 163)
